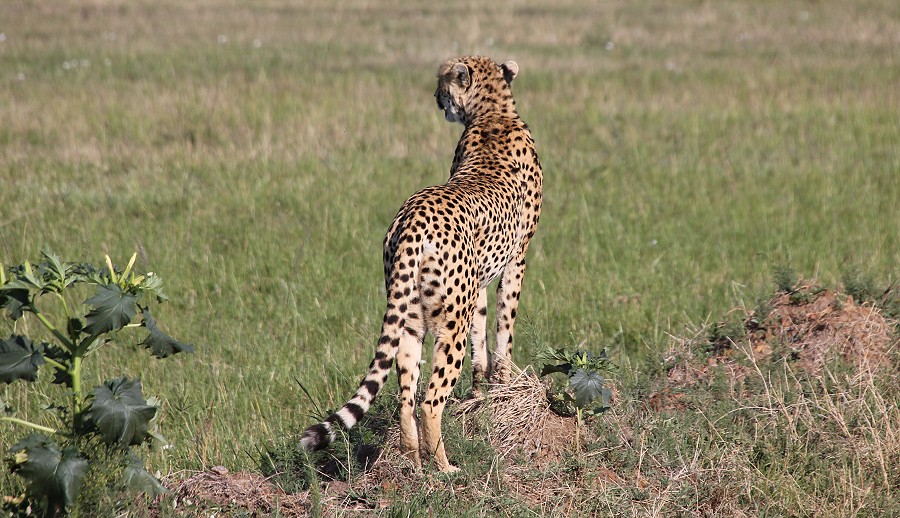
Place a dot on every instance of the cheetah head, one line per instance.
(471, 84)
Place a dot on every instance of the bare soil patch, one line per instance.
(818, 324)
(250, 493)
(808, 328)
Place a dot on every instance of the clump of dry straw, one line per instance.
(516, 417)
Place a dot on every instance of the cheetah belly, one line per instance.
(493, 261)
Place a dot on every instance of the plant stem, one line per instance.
(75, 372)
(578, 429)
(28, 424)
(55, 364)
(56, 332)
(65, 306)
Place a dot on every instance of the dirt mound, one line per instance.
(808, 328)
(248, 493)
(816, 324)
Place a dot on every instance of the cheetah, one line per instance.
(442, 249)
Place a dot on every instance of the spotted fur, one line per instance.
(444, 246)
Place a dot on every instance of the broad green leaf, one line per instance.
(57, 274)
(113, 309)
(550, 369)
(137, 478)
(588, 385)
(152, 284)
(49, 473)
(19, 359)
(13, 300)
(120, 412)
(553, 355)
(160, 344)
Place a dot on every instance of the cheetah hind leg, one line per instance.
(408, 365)
(443, 379)
(481, 358)
(449, 350)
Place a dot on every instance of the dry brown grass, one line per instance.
(808, 391)
(516, 418)
(802, 412)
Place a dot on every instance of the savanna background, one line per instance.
(695, 153)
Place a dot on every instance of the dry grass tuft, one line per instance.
(516, 417)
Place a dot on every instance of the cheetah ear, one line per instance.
(461, 74)
(510, 71)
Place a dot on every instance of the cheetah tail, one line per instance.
(403, 286)
(321, 435)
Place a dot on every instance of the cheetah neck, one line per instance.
(490, 114)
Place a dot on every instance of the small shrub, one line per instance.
(785, 277)
(863, 288)
(858, 284)
(726, 332)
(586, 383)
(99, 426)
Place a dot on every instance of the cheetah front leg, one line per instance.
(480, 356)
(508, 292)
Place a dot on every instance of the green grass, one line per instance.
(254, 154)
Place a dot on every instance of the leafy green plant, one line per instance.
(726, 332)
(785, 277)
(585, 384)
(114, 415)
(858, 284)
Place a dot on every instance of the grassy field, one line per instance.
(253, 154)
